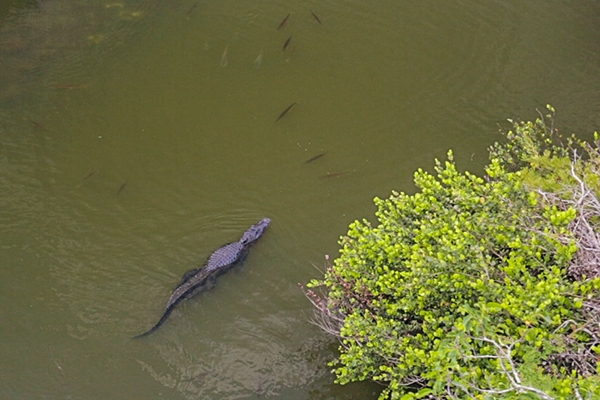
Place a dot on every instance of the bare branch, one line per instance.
(506, 363)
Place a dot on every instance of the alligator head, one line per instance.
(255, 231)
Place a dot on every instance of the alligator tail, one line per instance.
(158, 324)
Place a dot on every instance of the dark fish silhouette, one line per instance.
(286, 44)
(315, 17)
(87, 177)
(193, 7)
(284, 21)
(69, 86)
(122, 187)
(286, 111)
(38, 125)
(315, 157)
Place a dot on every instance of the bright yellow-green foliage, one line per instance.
(545, 164)
(460, 290)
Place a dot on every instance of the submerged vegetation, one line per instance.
(476, 287)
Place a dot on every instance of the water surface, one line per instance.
(137, 137)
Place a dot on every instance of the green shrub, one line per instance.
(462, 289)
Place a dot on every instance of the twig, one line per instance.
(506, 363)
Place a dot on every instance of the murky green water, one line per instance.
(137, 137)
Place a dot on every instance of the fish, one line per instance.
(122, 187)
(69, 86)
(98, 117)
(335, 174)
(38, 125)
(224, 57)
(286, 111)
(193, 7)
(315, 157)
(315, 17)
(258, 60)
(87, 177)
(287, 42)
(284, 21)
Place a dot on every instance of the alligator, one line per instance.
(204, 278)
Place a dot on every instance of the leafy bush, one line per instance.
(463, 289)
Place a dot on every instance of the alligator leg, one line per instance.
(210, 283)
(188, 275)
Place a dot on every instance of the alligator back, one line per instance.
(224, 256)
